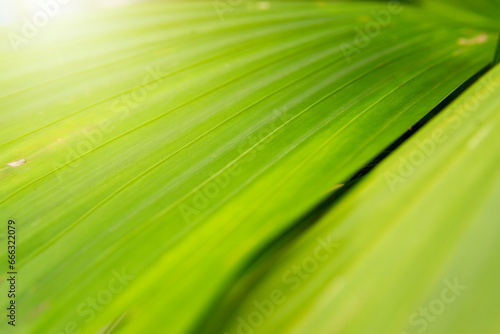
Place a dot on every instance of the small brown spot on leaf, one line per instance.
(263, 5)
(336, 187)
(480, 39)
(17, 163)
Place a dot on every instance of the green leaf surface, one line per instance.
(478, 13)
(414, 248)
(161, 140)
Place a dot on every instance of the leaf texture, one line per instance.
(418, 236)
(161, 140)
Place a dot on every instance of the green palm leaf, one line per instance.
(171, 145)
(412, 249)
